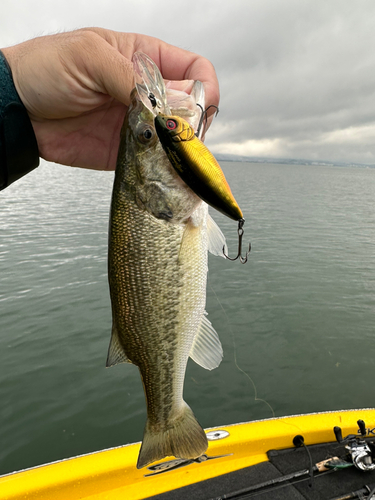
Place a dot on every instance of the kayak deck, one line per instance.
(111, 474)
(247, 483)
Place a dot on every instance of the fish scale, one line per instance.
(139, 297)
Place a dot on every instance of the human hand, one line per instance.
(76, 88)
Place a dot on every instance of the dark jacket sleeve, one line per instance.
(18, 146)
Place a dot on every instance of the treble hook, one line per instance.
(240, 232)
(204, 116)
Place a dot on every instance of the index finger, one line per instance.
(174, 64)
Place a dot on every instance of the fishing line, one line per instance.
(235, 357)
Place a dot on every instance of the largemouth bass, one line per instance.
(160, 232)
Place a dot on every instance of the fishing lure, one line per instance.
(198, 168)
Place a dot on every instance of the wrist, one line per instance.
(18, 146)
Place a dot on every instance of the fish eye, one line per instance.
(146, 134)
(171, 124)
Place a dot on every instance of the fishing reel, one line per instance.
(361, 452)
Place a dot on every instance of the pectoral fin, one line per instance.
(207, 350)
(216, 239)
(116, 352)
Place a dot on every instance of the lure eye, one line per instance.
(171, 124)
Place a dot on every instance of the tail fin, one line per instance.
(184, 438)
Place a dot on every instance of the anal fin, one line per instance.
(206, 350)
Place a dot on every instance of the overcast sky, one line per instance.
(297, 77)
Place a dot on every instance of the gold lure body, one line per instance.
(195, 164)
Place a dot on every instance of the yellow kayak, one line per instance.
(112, 474)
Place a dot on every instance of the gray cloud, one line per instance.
(297, 77)
(307, 71)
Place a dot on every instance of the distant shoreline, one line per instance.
(289, 161)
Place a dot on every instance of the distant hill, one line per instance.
(288, 161)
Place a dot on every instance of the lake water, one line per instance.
(297, 322)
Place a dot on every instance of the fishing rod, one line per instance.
(360, 455)
(273, 484)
